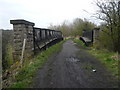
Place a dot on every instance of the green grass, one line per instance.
(106, 58)
(79, 42)
(9, 57)
(25, 76)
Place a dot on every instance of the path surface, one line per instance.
(72, 68)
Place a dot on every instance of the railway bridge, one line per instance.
(29, 40)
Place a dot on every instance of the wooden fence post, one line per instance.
(23, 50)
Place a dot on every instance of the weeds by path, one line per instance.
(109, 59)
(25, 74)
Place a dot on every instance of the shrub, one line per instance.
(7, 47)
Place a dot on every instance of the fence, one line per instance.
(90, 36)
(44, 38)
(34, 38)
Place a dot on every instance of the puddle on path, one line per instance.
(72, 59)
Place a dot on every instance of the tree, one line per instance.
(75, 28)
(80, 25)
(109, 12)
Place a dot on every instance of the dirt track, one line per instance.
(72, 68)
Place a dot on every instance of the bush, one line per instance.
(9, 56)
(106, 41)
(7, 48)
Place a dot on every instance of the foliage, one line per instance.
(105, 40)
(25, 76)
(79, 25)
(110, 14)
(109, 59)
(7, 46)
(79, 42)
(8, 56)
(75, 28)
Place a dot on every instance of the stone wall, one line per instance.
(96, 32)
(22, 30)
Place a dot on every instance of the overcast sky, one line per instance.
(45, 12)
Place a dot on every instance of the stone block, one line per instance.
(22, 29)
(17, 36)
(18, 49)
(21, 21)
(17, 41)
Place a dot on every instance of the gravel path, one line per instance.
(73, 67)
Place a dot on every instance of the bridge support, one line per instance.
(22, 30)
(96, 32)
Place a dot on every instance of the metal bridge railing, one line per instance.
(43, 36)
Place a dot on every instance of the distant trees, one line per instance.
(109, 12)
(79, 25)
(75, 28)
(64, 27)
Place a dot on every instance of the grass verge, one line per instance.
(25, 75)
(109, 59)
(79, 42)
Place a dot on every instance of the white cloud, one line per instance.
(43, 12)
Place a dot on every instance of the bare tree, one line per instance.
(109, 12)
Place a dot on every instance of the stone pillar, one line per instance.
(96, 32)
(22, 30)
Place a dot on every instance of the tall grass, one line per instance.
(25, 76)
(109, 59)
(79, 42)
(9, 56)
(7, 47)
